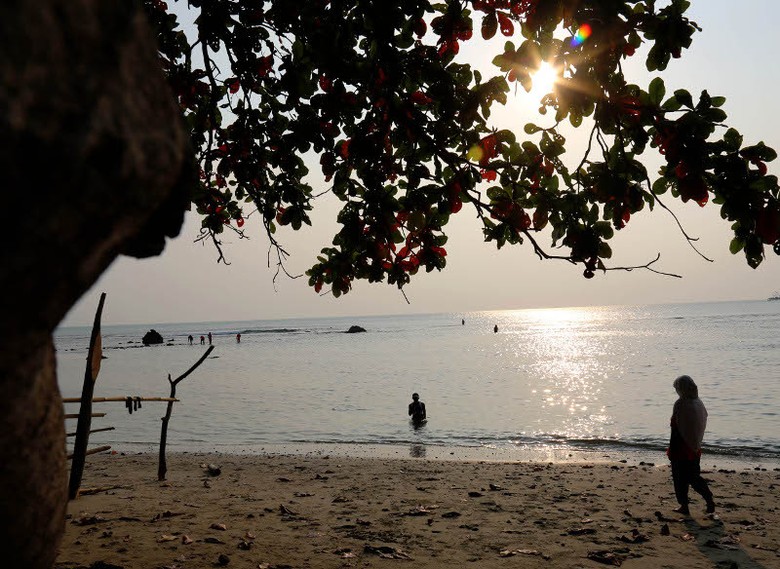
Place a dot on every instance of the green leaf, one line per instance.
(733, 139)
(684, 97)
(736, 245)
(298, 49)
(760, 151)
(714, 115)
(717, 101)
(657, 90)
(404, 40)
(660, 186)
(671, 104)
(505, 135)
(531, 128)
(652, 58)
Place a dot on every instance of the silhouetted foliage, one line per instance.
(374, 89)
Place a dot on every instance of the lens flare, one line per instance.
(475, 153)
(582, 34)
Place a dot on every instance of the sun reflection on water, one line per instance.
(563, 367)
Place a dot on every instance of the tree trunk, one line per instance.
(32, 475)
(95, 158)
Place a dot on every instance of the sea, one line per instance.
(536, 384)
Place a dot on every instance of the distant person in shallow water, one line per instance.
(202, 340)
(209, 338)
(495, 329)
(689, 419)
(417, 410)
(238, 338)
(189, 338)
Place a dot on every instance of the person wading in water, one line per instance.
(417, 410)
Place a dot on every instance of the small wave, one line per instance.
(725, 449)
(272, 331)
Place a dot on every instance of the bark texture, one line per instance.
(95, 162)
(33, 480)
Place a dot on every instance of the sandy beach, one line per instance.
(318, 511)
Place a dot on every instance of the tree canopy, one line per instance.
(375, 91)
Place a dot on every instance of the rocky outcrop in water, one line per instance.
(355, 329)
(152, 337)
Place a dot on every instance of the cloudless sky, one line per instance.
(734, 56)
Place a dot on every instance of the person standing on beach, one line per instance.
(209, 338)
(189, 338)
(238, 338)
(689, 419)
(417, 410)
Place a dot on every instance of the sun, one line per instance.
(544, 80)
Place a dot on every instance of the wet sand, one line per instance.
(318, 511)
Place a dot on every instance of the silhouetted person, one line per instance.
(462, 321)
(689, 419)
(189, 338)
(238, 338)
(417, 410)
(202, 340)
(209, 338)
(495, 329)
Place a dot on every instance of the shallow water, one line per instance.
(552, 380)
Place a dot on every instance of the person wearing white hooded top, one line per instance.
(689, 420)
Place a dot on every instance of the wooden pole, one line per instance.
(77, 415)
(98, 489)
(90, 451)
(94, 431)
(85, 412)
(162, 467)
(114, 399)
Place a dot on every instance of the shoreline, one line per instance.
(322, 510)
(450, 453)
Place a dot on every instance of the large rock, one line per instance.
(152, 337)
(354, 329)
(95, 162)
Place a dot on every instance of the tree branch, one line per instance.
(688, 238)
(542, 254)
(210, 73)
(209, 234)
(645, 266)
(176, 381)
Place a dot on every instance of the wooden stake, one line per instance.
(162, 467)
(94, 431)
(77, 415)
(97, 490)
(91, 451)
(83, 426)
(115, 399)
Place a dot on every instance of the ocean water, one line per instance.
(570, 379)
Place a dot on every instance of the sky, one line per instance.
(734, 56)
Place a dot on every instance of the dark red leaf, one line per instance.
(507, 27)
(489, 26)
